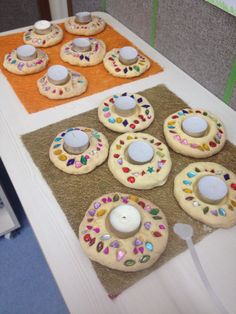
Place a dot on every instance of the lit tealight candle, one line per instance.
(83, 17)
(58, 74)
(26, 52)
(128, 55)
(42, 27)
(195, 126)
(125, 106)
(140, 152)
(124, 221)
(76, 142)
(212, 189)
(81, 44)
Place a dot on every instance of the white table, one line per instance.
(175, 287)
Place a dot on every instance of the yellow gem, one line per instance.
(118, 147)
(206, 147)
(57, 151)
(171, 123)
(233, 203)
(62, 157)
(187, 191)
(119, 120)
(101, 212)
(200, 148)
(87, 130)
(129, 137)
(134, 198)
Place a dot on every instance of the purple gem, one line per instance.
(120, 161)
(147, 225)
(214, 212)
(70, 162)
(137, 242)
(81, 57)
(115, 244)
(20, 65)
(139, 100)
(227, 177)
(124, 94)
(92, 212)
(125, 199)
(109, 199)
(125, 122)
(97, 205)
(132, 96)
(104, 200)
(135, 250)
(145, 106)
(63, 134)
(125, 70)
(141, 249)
(86, 58)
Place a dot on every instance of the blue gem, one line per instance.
(139, 99)
(70, 162)
(105, 109)
(56, 146)
(149, 246)
(58, 139)
(124, 94)
(63, 134)
(81, 57)
(125, 122)
(115, 96)
(185, 111)
(191, 174)
(132, 96)
(111, 120)
(70, 129)
(171, 127)
(227, 177)
(125, 70)
(222, 211)
(187, 182)
(180, 113)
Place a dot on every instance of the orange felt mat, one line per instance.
(98, 78)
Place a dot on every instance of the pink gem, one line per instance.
(141, 249)
(194, 145)
(78, 164)
(162, 227)
(104, 200)
(106, 250)
(109, 199)
(97, 230)
(135, 250)
(87, 157)
(147, 225)
(185, 142)
(177, 138)
(89, 227)
(120, 255)
(107, 114)
(147, 207)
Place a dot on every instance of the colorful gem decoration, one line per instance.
(99, 240)
(31, 37)
(74, 27)
(129, 124)
(205, 144)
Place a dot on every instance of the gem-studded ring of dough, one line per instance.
(146, 176)
(91, 158)
(222, 215)
(200, 147)
(76, 85)
(13, 64)
(140, 120)
(47, 40)
(96, 26)
(130, 254)
(116, 68)
(85, 58)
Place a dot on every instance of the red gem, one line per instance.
(116, 155)
(158, 169)
(141, 116)
(157, 234)
(122, 142)
(143, 173)
(198, 111)
(132, 126)
(135, 250)
(163, 161)
(60, 92)
(141, 203)
(105, 104)
(233, 186)
(212, 170)
(110, 58)
(125, 169)
(212, 144)
(92, 241)
(89, 219)
(111, 100)
(158, 143)
(175, 117)
(136, 121)
(89, 227)
(117, 70)
(220, 131)
(87, 237)
(131, 179)
(172, 131)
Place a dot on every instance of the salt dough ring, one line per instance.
(134, 253)
(147, 176)
(139, 121)
(116, 68)
(221, 215)
(76, 85)
(201, 147)
(96, 26)
(92, 157)
(85, 58)
(14, 65)
(46, 40)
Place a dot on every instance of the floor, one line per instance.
(26, 283)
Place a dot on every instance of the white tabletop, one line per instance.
(175, 287)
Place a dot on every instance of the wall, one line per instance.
(195, 35)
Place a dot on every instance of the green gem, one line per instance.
(219, 125)
(205, 210)
(144, 258)
(160, 154)
(96, 135)
(217, 140)
(137, 68)
(157, 217)
(116, 198)
(205, 113)
(147, 112)
(154, 211)
(129, 262)
(114, 56)
(197, 170)
(152, 141)
(150, 169)
(83, 160)
(13, 62)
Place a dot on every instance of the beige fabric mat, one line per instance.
(75, 193)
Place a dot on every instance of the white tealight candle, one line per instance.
(140, 152)
(195, 126)
(125, 106)
(212, 189)
(42, 27)
(128, 55)
(26, 52)
(83, 17)
(76, 142)
(125, 220)
(58, 74)
(81, 44)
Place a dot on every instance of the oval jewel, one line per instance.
(191, 174)
(149, 246)
(105, 237)
(144, 258)
(100, 246)
(129, 262)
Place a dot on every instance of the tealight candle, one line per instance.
(125, 106)
(58, 74)
(124, 221)
(212, 189)
(83, 17)
(81, 44)
(26, 52)
(140, 152)
(76, 142)
(128, 55)
(195, 126)
(42, 27)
